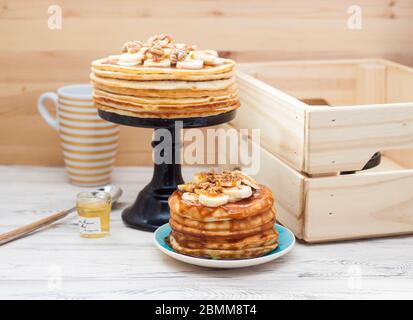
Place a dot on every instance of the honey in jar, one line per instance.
(94, 213)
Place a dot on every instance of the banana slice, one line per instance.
(189, 196)
(206, 57)
(190, 64)
(218, 61)
(238, 193)
(162, 63)
(213, 200)
(209, 52)
(130, 59)
(230, 183)
(129, 64)
(188, 187)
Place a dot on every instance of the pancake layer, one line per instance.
(245, 253)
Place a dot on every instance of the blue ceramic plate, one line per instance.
(286, 241)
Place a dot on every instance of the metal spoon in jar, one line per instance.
(25, 230)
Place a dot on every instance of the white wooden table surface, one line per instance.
(57, 263)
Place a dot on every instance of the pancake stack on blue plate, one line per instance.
(222, 216)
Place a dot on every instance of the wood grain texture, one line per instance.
(399, 83)
(127, 265)
(399, 89)
(335, 83)
(373, 203)
(31, 227)
(367, 107)
(287, 186)
(371, 83)
(279, 117)
(323, 208)
(345, 138)
(40, 59)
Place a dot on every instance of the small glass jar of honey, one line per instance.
(94, 209)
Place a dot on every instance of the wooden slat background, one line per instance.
(35, 59)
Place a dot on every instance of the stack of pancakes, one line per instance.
(202, 85)
(238, 229)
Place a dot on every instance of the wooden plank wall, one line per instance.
(35, 59)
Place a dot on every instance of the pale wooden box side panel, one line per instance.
(371, 83)
(341, 139)
(376, 202)
(344, 138)
(365, 116)
(400, 89)
(279, 117)
(362, 205)
(373, 203)
(399, 83)
(332, 81)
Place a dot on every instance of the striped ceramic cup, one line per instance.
(89, 143)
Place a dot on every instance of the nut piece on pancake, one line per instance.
(132, 46)
(223, 215)
(159, 78)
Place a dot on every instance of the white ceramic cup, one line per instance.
(89, 143)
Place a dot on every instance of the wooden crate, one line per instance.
(305, 145)
(328, 116)
(371, 203)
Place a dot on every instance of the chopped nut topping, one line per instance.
(215, 189)
(224, 179)
(178, 54)
(132, 46)
(162, 48)
(155, 53)
(208, 188)
(213, 183)
(187, 187)
(162, 40)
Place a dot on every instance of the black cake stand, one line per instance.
(150, 209)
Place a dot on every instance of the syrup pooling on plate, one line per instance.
(223, 215)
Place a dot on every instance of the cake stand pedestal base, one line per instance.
(151, 209)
